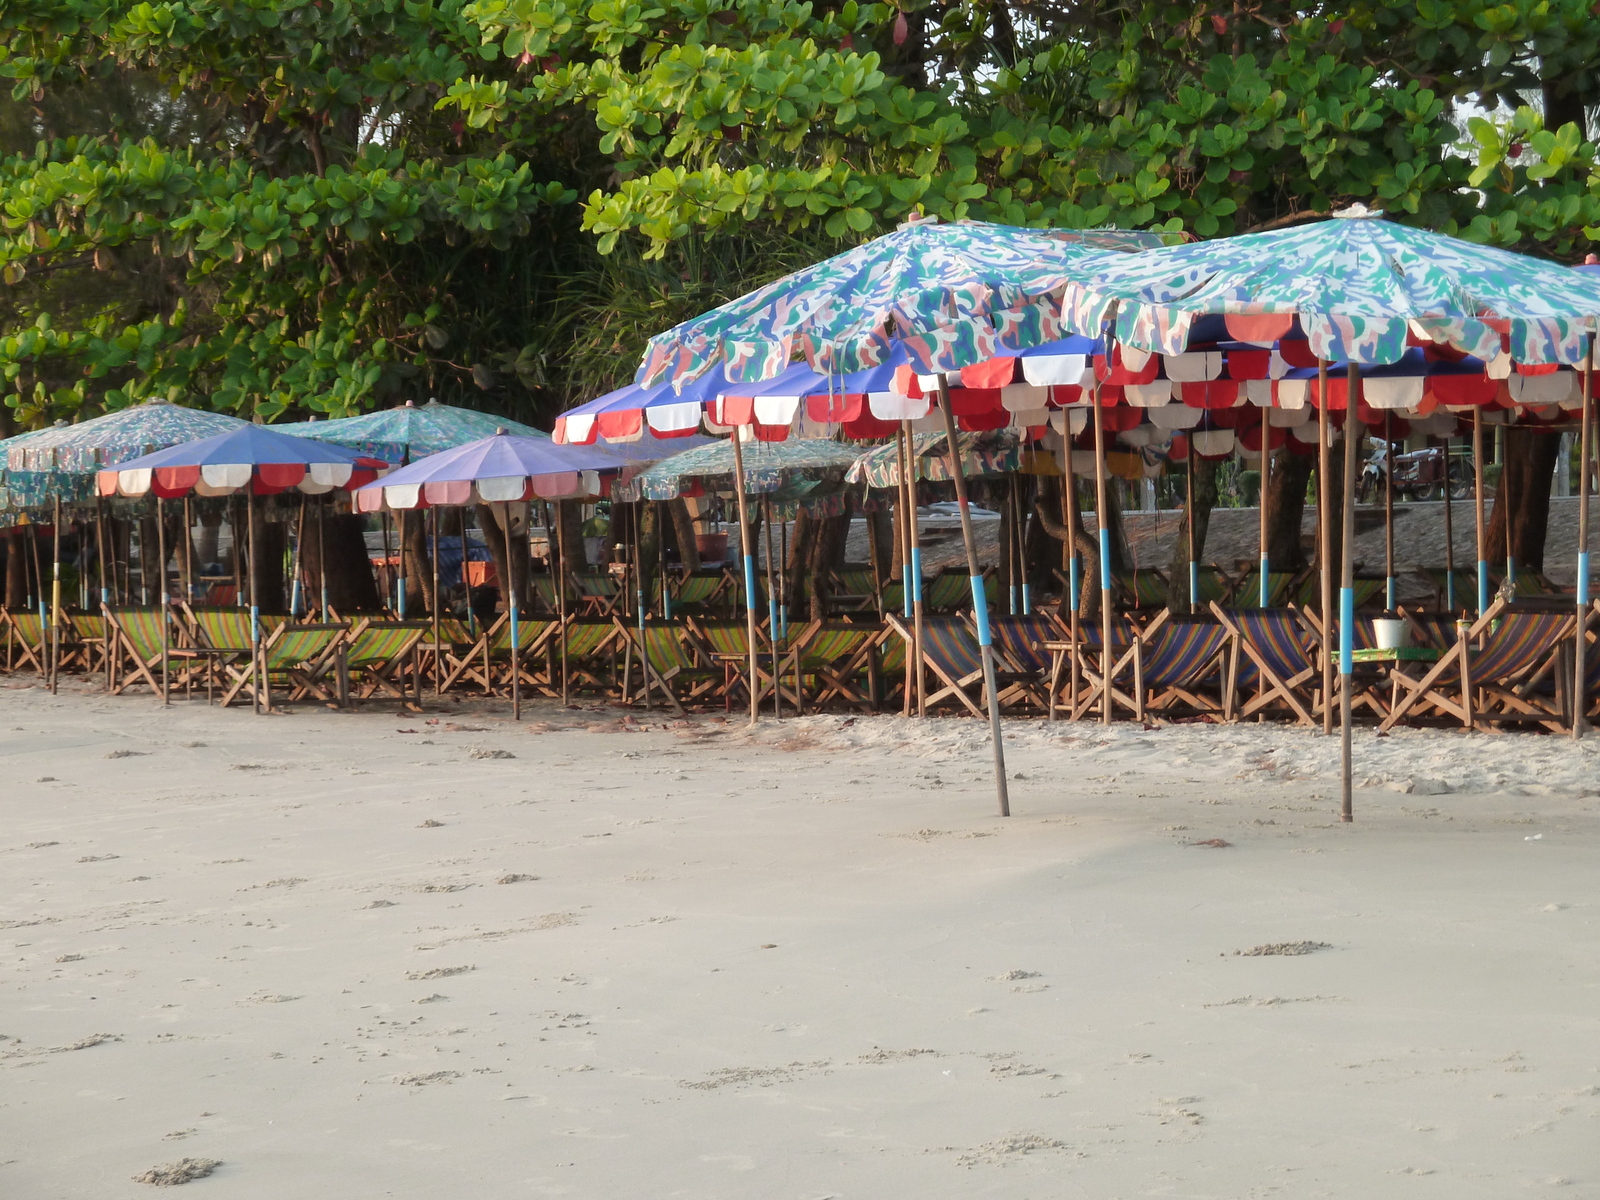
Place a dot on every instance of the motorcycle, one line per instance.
(1418, 475)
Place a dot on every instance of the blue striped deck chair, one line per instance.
(25, 638)
(1494, 680)
(1271, 658)
(950, 650)
(1086, 653)
(1170, 661)
(1024, 640)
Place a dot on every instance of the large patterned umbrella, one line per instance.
(396, 434)
(953, 293)
(996, 452)
(768, 466)
(116, 437)
(1358, 285)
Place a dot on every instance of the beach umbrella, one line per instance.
(992, 453)
(498, 470)
(410, 431)
(950, 294)
(1359, 287)
(252, 458)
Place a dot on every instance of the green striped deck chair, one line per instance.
(135, 649)
(487, 662)
(1247, 594)
(25, 642)
(727, 644)
(84, 640)
(218, 637)
(545, 593)
(701, 589)
(948, 591)
(1517, 646)
(853, 590)
(375, 657)
(894, 596)
(598, 593)
(1213, 582)
(297, 659)
(838, 661)
(1270, 657)
(1145, 587)
(591, 649)
(455, 642)
(669, 662)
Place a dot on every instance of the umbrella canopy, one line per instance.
(1358, 284)
(768, 466)
(633, 412)
(995, 452)
(253, 456)
(953, 293)
(493, 469)
(410, 431)
(115, 437)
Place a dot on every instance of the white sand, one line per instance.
(243, 942)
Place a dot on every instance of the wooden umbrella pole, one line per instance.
(400, 570)
(296, 591)
(907, 583)
(188, 554)
(773, 635)
(918, 608)
(1325, 541)
(1477, 508)
(980, 600)
(1388, 512)
(55, 602)
(1107, 655)
(322, 561)
(388, 592)
(1347, 588)
(255, 607)
(561, 596)
(1502, 493)
(238, 550)
(165, 596)
(438, 654)
(1449, 538)
(1266, 485)
(1580, 690)
(1188, 512)
(1069, 514)
(511, 612)
(100, 547)
(748, 552)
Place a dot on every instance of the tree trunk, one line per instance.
(799, 565)
(351, 586)
(1525, 478)
(827, 555)
(16, 569)
(419, 564)
(267, 544)
(1286, 498)
(1205, 499)
(1088, 549)
(683, 533)
(649, 553)
(880, 533)
(518, 566)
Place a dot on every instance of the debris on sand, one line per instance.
(482, 752)
(430, 823)
(1274, 948)
(185, 1170)
(516, 877)
(438, 973)
(1213, 843)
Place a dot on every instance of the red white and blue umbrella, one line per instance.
(497, 469)
(254, 458)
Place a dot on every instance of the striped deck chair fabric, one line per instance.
(1516, 646)
(666, 656)
(298, 659)
(947, 591)
(221, 595)
(950, 650)
(838, 661)
(88, 635)
(1271, 658)
(375, 657)
(25, 642)
(591, 648)
(135, 648)
(1170, 667)
(598, 593)
(1247, 594)
(1142, 588)
(702, 588)
(1025, 642)
(544, 593)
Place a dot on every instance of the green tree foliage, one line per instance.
(275, 205)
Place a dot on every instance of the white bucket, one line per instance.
(1390, 633)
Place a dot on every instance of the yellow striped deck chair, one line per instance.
(25, 641)
(598, 593)
(669, 662)
(375, 657)
(591, 650)
(298, 659)
(83, 640)
(838, 661)
(135, 649)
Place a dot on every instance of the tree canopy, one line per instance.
(323, 205)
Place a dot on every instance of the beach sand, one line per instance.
(601, 955)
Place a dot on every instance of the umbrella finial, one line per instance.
(501, 431)
(1358, 212)
(411, 403)
(919, 218)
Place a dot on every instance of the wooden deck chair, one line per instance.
(1173, 663)
(299, 659)
(135, 648)
(1438, 581)
(25, 639)
(442, 656)
(853, 590)
(669, 662)
(1088, 654)
(1269, 657)
(950, 650)
(375, 658)
(216, 638)
(1145, 587)
(701, 589)
(1434, 629)
(838, 660)
(1247, 592)
(727, 643)
(86, 649)
(1023, 640)
(591, 646)
(1516, 645)
(487, 662)
(948, 591)
(221, 595)
(598, 593)
(890, 653)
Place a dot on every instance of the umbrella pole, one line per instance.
(1449, 538)
(1266, 483)
(400, 573)
(1325, 542)
(161, 590)
(1106, 653)
(561, 594)
(255, 607)
(1347, 588)
(903, 531)
(1069, 514)
(238, 552)
(188, 554)
(1580, 696)
(1388, 512)
(1188, 512)
(437, 653)
(980, 602)
(299, 539)
(918, 610)
(748, 551)
(773, 635)
(1502, 492)
(511, 612)
(322, 562)
(55, 603)
(105, 590)
(1477, 505)
(383, 523)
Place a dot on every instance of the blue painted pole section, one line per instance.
(1347, 630)
(294, 598)
(1194, 585)
(1105, 560)
(1027, 601)
(1450, 589)
(1483, 586)
(1014, 599)
(666, 596)
(1388, 595)
(1583, 580)
(1075, 579)
(750, 582)
(514, 640)
(980, 610)
(255, 625)
(1266, 581)
(916, 577)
